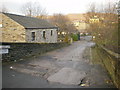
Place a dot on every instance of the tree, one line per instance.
(62, 22)
(65, 27)
(4, 9)
(92, 7)
(106, 31)
(33, 9)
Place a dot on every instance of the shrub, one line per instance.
(74, 37)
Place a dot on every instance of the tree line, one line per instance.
(106, 30)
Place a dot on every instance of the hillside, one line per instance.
(73, 17)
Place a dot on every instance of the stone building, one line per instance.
(17, 28)
(81, 26)
(95, 19)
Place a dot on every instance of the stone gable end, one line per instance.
(12, 31)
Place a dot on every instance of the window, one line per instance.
(44, 35)
(33, 36)
(51, 32)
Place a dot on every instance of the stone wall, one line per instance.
(11, 30)
(19, 51)
(39, 35)
(111, 61)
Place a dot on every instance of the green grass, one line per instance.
(101, 57)
(95, 56)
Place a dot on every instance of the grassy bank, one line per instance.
(100, 56)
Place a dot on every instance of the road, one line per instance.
(61, 68)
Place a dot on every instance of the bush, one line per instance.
(74, 37)
(66, 39)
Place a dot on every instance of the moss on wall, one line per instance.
(111, 63)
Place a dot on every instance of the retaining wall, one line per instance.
(19, 51)
(111, 61)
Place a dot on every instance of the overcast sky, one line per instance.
(54, 6)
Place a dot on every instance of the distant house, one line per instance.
(17, 28)
(95, 19)
(81, 26)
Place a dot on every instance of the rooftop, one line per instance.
(30, 22)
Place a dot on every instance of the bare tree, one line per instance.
(33, 9)
(4, 9)
(110, 7)
(92, 7)
(65, 26)
(91, 11)
(62, 22)
(105, 31)
(27, 9)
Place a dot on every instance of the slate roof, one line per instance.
(30, 22)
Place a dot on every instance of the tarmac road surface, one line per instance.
(61, 68)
